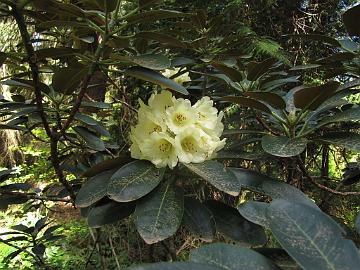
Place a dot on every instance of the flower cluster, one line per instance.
(170, 130)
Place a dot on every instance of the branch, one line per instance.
(32, 60)
(320, 186)
(34, 196)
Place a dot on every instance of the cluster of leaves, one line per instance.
(76, 51)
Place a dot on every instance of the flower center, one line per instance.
(180, 118)
(164, 146)
(189, 145)
(157, 128)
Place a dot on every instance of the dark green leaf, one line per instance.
(152, 61)
(312, 97)
(54, 53)
(175, 266)
(254, 212)
(159, 215)
(5, 174)
(198, 219)
(90, 138)
(312, 238)
(281, 146)
(94, 104)
(352, 114)
(40, 224)
(270, 187)
(230, 223)
(146, 3)
(39, 250)
(86, 119)
(12, 255)
(231, 257)
(109, 4)
(272, 99)
(66, 80)
(22, 228)
(109, 213)
(154, 15)
(247, 102)
(155, 77)
(232, 73)
(303, 67)
(259, 69)
(134, 180)
(51, 229)
(217, 175)
(162, 38)
(107, 165)
(346, 140)
(357, 224)
(93, 189)
(351, 20)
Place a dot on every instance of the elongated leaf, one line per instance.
(152, 61)
(303, 67)
(357, 224)
(248, 102)
(351, 20)
(155, 77)
(230, 223)
(311, 237)
(348, 115)
(231, 257)
(347, 140)
(86, 119)
(254, 212)
(109, 164)
(109, 213)
(94, 189)
(217, 175)
(272, 99)
(146, 3)
(175, 266)
(199, 220)
(259, 69)
(312, 97)
(232, 73)
(270, 187)
(281, 146)
(90, 138)
(134, 180)
(66, 80)
(54, 52)
(159, 215)
(162, 38)
(154, 15)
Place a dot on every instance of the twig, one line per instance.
(114, 253)
(320, 186)
(34, 196)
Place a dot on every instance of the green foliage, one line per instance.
(71, 82)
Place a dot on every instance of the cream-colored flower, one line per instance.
(180, 116)
(190, 146)
(159, 148)
(158, 103)
(179, 79)
(208, 117)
